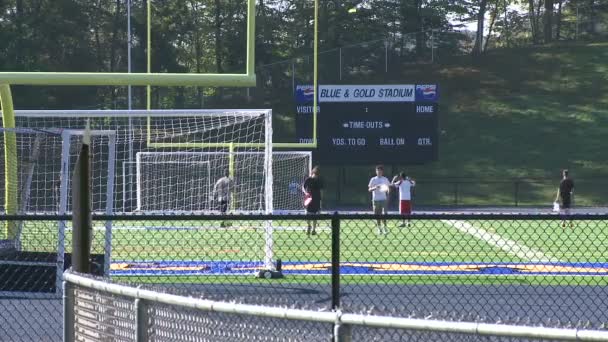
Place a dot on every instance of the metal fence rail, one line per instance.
(82, 319)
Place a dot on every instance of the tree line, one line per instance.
(208, 36)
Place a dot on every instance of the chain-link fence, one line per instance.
(520, 269)
(98, 310)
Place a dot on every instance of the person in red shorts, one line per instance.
(405, 186)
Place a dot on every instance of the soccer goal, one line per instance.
(136, 132)
(183, 181)
(40, 152)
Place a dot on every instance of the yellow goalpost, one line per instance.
(148, 79)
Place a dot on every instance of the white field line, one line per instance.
(498, 241)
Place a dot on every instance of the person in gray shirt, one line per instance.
(222, 192)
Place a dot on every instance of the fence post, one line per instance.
(68, 313)
(141, 321)
(335, 261)
(82, 225)
(342, 332)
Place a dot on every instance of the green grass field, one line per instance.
(426, 241)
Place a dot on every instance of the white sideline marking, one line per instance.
(506, 245)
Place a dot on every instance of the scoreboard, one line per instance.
(375, 124)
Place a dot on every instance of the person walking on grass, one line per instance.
(565, 192)
(379, 187)
(406, 187)
(312, 198)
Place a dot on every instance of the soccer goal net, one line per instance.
(136, 133)
(42, 148)
(184, 181)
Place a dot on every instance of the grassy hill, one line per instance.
(509, 123)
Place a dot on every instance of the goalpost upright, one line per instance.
(11, 171)
(248, 79)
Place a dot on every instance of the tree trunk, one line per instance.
(533, 27)
(506, 24)
(478, 48)
(592, 18)
(419, 28)
(558, 29)
(18, 38)
(548, 21)
(197, 50)
(493, 16)
(218, 43)
(114, 46)
(98, 38)
(537, 17)
(218, 37)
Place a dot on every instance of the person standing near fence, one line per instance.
(379, 187)
(565, 193)
(312, 198)
(406, 187)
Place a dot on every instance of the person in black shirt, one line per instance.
(565, 193)
(312, 197)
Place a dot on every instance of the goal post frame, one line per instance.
(11, 168)
(277, 157)
(247, 79)
(138, 182)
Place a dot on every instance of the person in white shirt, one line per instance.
(379, 187)
(405, 186)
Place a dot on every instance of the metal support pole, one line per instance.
(130, 103)
(82, 225)
(340, 64)
(129, 45)
(386, 56)
(335, 262)
(342, 333)
(432, 46)
(141, 321)
(68, 313)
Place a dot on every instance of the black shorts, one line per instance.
(566, 202)
(314, 207)
(223, 206)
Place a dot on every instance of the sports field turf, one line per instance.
(438, 251)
